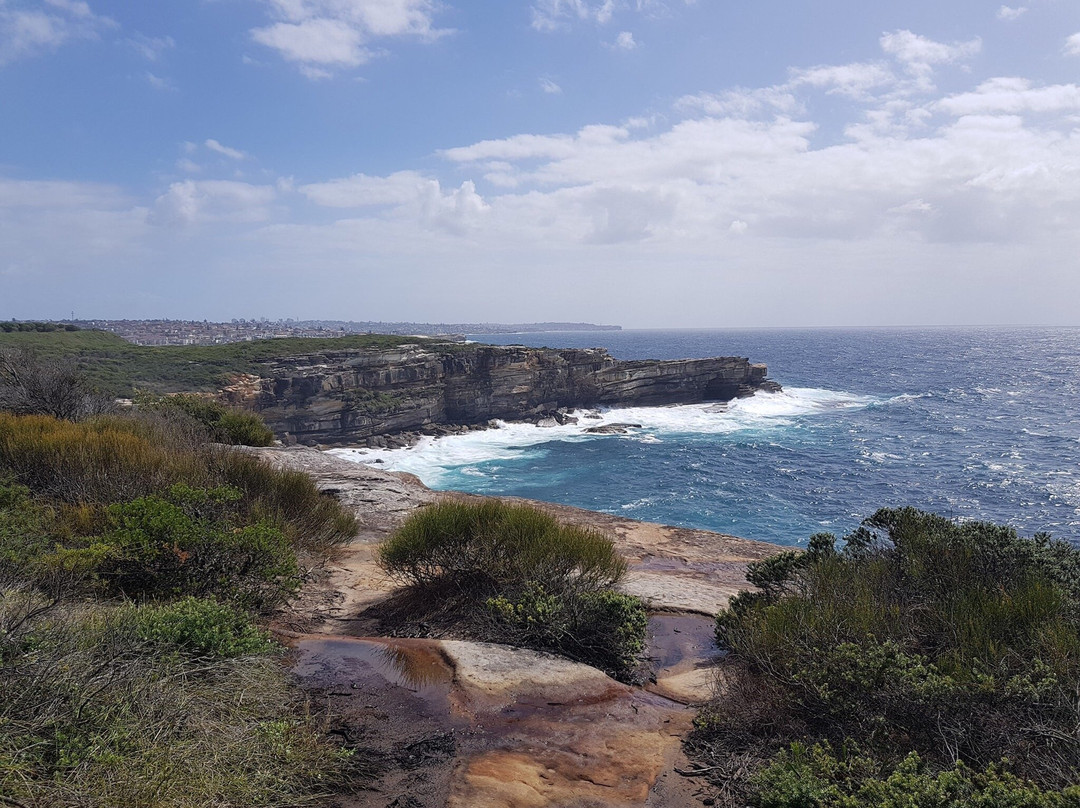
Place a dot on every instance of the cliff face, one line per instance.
(348, 396)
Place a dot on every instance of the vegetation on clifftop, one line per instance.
(924, 663)
(117, 367)
(136, 558)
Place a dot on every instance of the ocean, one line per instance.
(969, 423)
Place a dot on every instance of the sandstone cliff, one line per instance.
(336, 397)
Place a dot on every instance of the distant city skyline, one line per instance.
(651, 163)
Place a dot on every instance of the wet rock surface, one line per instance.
(477, 725)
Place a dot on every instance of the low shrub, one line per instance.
(118, 459)
(604, 628)
(223, 424)
(514, 574)
(497, 546)
(202, 628)
(818, 777)
(952, 641)
(191, 541)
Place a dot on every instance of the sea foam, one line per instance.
(433, 460)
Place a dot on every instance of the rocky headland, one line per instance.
(357, 396)
(449, 722)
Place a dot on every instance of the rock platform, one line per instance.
(477, 725)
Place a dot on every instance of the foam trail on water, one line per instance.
(433, 460)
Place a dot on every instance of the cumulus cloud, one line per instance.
(919, 54)
(201, 201)
(29, 29)
(625, 41)
(1008, 13)
(1013, 96)
(853, 80)
(904, 193)
(324, 35)
(407, 194)
(1072, 45)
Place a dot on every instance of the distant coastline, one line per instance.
(205, 332)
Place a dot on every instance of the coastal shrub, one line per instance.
(223, 424)
(201, 627)
(93, 714)
(34, 385)
(605, 628)
(919, 634)
(514, 574)
(495, 545)
(819, 777)
(117, 459)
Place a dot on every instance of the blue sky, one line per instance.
(654, 163)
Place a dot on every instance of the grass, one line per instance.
(950, 642)
(94, 714)
(118, 368)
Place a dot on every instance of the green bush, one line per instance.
(186, 544)
(953, 641)
(201, 627)
(515, 574)
(818, 777)
(495, 545)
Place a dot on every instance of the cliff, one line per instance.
(349, 396)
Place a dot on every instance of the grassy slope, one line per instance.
(116, 366)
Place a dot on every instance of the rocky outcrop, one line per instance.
(348, 396)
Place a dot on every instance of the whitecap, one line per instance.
(434, 459)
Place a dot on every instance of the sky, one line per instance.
(649, 163)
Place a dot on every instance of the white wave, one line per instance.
(435, 460)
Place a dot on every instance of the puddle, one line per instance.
(680, 642)
(346, 664)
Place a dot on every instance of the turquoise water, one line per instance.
(976, 423)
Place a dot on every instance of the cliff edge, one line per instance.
(347, 396)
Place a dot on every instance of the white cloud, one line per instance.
(742, 102)
(625, 41)
(158, 82)
(28, 29)
(151, 48)
(1013, 96)
(232, 154)
(405, 194)
(1072, 45)
(550, 87)
(323, 35)
(851, 79)
(202, 201)
(1009, 13)
(919, 54)
(550, 15)
(918, 50)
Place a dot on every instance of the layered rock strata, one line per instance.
(338, 397)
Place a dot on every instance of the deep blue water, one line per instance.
(974, 423)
